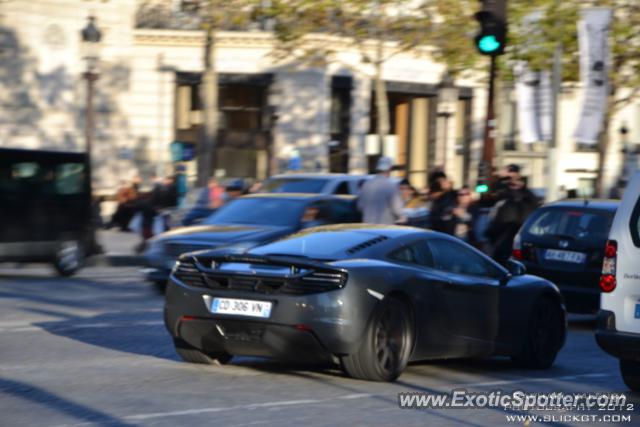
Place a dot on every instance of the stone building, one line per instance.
(147, 97)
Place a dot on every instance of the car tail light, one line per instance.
(608, 277)
(517, 248)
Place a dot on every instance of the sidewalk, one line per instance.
(118, 249)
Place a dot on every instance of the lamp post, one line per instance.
(447, 105)
(274, 104)
(90, 37)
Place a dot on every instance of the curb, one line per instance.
(116, 261)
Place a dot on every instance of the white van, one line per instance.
(618, 330)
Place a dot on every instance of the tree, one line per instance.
(309, 31)
(216, 15)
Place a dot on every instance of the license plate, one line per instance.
(565, 256)
(241, 307)
(637, 313)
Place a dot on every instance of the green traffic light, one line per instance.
(482, 188)
(488, 44)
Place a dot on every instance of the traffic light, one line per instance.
(484, 175)
(482, 187)
(492, 17)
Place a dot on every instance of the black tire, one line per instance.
(160, 285)
(387, 344)
(630, 371)
(69, 257)
(544, 336)
(191, 354)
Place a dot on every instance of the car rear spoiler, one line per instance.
(298, 266)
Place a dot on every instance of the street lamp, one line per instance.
(90, 37)
(447, 106)
(274, 104)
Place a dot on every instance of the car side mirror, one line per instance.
(516, 268)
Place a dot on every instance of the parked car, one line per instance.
(370, 296)
(195, 206)
(564, 242)
(618, 331)
(46, 211)
(318, 183)
(246, 222)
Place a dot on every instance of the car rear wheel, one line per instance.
(630, 371)
(191, 354)
(386, 347)
(544, 336)
(69, 257)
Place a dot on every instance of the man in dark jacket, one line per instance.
(514, 207)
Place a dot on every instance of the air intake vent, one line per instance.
(365, 245)
(188, 274)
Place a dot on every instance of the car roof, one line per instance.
(319, 175)
(298, 196)
(389, 231)
(601, 204)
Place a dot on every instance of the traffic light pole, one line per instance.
(488, 149)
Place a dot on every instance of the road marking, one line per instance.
(99, 325)
(530, 380)
(250, 406)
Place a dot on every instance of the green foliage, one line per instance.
(447, 28)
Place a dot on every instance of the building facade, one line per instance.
(274, 116)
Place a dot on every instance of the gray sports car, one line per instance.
(371, 298)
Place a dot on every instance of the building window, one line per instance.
(241, 107)
(586, 148)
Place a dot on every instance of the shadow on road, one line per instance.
(139, 333)
(42, 397)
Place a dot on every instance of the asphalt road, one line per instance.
(92, 350)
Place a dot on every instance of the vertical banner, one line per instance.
(533, 90)
(593, 35)
(545, 107)
(527, 98)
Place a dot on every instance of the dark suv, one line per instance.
(564, 242)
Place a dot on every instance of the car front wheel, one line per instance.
(386, 347)
(69, 257)
(191, 354)
(630, 371)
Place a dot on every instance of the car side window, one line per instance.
(343, 211)
(404, 254)
(456, 258)
(418, 253)
(635, 224)
(342, 188)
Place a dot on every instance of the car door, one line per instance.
(427, 287)
(471, 294)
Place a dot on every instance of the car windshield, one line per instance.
(260, 211)
(573, 223)
(294, 185)
(315, 244)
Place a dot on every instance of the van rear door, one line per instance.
(624, 299)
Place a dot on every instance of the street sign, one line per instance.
(182, 151)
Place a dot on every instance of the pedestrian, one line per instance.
(234, 189)
(458, 217)
(414, 206)
(507, 216)
(379, 198)
(126, 197)
(443, 199)
(215, 193)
